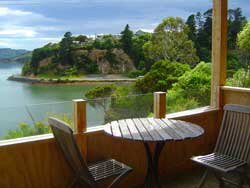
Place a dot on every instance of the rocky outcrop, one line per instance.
(114, 61)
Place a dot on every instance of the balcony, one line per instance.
(36, 162)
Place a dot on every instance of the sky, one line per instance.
(29, 24)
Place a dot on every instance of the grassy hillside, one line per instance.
(8, 53)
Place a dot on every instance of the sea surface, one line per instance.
(22, 102)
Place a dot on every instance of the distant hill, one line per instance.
(23, 58)
(20, 55)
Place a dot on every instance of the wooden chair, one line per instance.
(232, 151)
(85, 176)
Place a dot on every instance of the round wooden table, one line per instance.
(158, 131)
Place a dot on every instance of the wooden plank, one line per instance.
(133, 130)
(151, 130)
(168, 130)
(115, 129)
(144, 133)
(159, 129)
(124, 129)
(107, 129)
(197, 131)
(171, 123)
(187, 129)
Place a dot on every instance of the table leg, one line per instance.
(152, 177)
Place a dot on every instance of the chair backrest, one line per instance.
(234, 136)
(67, 144)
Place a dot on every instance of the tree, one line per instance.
(65, 49)
(161, 76)
(192, 28)
(240, 79)
(137, 49)
(236, 22)
(38, 55)
(126, 40)
(81, 39)
(195, 84)
(170, 42)
(118, 103)
(243, 42)
(204, 36)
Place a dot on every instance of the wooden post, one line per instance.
(80, 124)
(159, 104)
(219, 50)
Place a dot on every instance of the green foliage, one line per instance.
(126, 40)
(81, 39)
(122, 107)
(38, 55)
(106, 42)
(192, 28)
(26, 70)
(161, 76)
(71, 71)
(236, 22)
(204, 36)
(200, 31)
(244, 39)
(111, 57)
(170, 42)
(65, 49)
(118, 102)
(233, 63)
(244, 47)
(135, 73)
(195, 84)
(100, 92)
(240, 79)
(39, 128)
(25, 129)
(137, 52)
(177, 103)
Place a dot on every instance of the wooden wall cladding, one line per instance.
(39, 164)
(174, 158)
(234, 95)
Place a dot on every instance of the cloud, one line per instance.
(4, 11)
(18, 32)
(27, 43)
(17, 23)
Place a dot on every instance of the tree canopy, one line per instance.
(170, 42)
(161, 76)
(126, 40)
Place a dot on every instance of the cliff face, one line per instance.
(114, 61)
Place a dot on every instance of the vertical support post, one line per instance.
(159, 104)
(219, 50)
(80, 125)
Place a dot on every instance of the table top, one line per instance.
(152, 129)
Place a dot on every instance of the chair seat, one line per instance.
(219, 162)
(107, 168)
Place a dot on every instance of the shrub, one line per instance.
(161, 76)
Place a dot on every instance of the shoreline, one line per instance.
(76, 81)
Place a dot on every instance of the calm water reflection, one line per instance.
(16, 100)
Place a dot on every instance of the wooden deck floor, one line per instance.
(191, 180)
